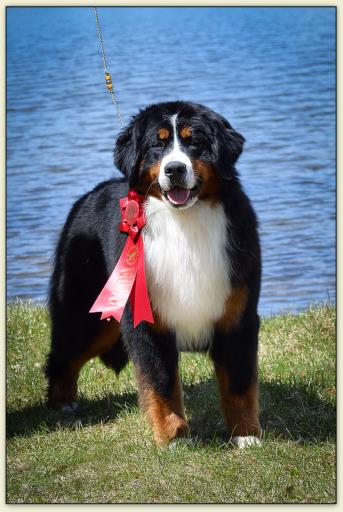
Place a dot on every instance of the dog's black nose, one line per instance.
(175, 169)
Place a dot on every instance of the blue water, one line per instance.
(270, 71)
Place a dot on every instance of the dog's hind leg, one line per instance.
(116, 357)
(68, 355)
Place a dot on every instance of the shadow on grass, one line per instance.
(291, 412)
(90, 412)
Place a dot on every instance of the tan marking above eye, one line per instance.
(163, 133)
(186, 132)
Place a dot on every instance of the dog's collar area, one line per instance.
(127, 280)
(132, 212)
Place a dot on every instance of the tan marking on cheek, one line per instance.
(241, 411)
(154, 171)
(163, 133)
(211, 185)
(186, 132)
(149, 180)
(234, 308)
(166, 415)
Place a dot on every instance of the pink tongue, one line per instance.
(178, 195)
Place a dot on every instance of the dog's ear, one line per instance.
(228, 145)
(127, 152)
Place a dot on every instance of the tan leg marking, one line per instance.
(166, 415)
(240, 411)
(64, 389)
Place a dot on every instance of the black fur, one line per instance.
(90, 245)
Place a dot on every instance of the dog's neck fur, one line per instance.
(187, 268)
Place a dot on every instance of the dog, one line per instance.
(202, 263)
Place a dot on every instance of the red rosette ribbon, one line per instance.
(128, 277)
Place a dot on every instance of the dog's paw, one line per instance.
(245, 441)
(67, 408)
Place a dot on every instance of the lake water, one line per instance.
(270, 71)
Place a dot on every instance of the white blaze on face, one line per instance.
(176, 155)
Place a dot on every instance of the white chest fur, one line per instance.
(187, 268)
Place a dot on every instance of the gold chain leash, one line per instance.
(108, 78)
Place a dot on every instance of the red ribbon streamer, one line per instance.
(128, 277)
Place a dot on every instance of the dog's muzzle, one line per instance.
(176, 172)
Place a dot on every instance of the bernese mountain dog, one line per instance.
(202, 265)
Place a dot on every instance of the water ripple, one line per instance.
(270, 71)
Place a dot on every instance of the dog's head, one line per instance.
(179, 152)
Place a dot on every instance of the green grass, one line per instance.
(105, 453)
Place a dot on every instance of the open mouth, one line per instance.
(179, 196)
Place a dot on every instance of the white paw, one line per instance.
(173, 445)
(245, 441)
(69, 407)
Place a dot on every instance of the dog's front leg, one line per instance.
(164, 410)
(234, 353)
(155, 358)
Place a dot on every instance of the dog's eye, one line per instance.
(191, 143)
(159, 144)
(188, 140)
